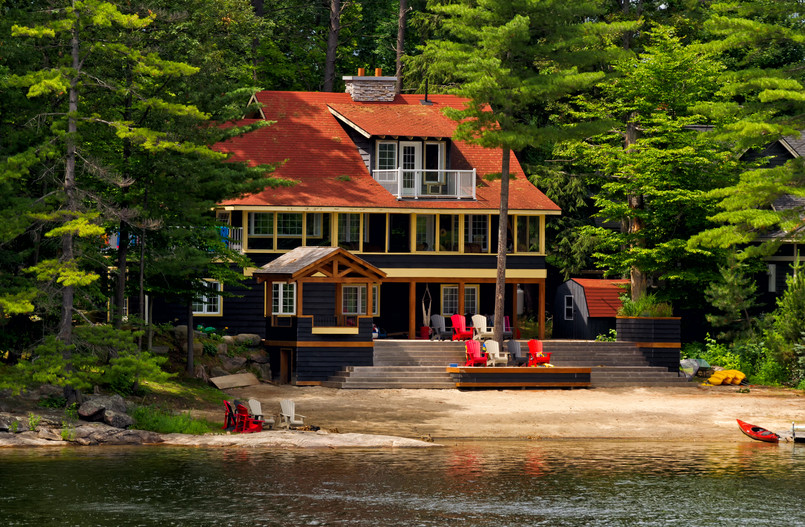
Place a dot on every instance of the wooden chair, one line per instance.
(479, 328)
(245, 422)
(516, 354)
(494, 356)
(256, 410)
(475, 356)
(535, 354)
(288, 415)
(460, 331)
(438, 331)
(229, 416)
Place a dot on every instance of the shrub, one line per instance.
(610, 336)
(163, 421)
(647, 305)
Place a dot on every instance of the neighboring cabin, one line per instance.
(414, 212)
(586, 307)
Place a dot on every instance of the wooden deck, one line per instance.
(520, 377)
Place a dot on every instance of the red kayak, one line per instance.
(758, 433)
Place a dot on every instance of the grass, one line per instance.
(177, 392)
(164, 421)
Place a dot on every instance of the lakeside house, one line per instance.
(404, 220)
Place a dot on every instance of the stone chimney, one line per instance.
(371, 89)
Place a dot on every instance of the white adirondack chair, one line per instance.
(493, 354)
(256, 409)
(288, 415)
(480, 330)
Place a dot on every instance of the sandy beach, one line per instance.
(693, 413)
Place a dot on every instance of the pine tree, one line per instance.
(509, 57)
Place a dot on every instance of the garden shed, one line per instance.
(586, 307)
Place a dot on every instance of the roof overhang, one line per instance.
(319, 264)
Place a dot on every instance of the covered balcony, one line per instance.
(421, 183)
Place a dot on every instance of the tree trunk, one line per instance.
(332, 44)
(638, 279)
(400, 43)
(500, 280)
(190, 332)
(71, 202)
(258, 10)
(120, 285)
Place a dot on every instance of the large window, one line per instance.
(450, 299)
(527, 234)
(261, 224)
(476, 233)
(208, 303)
(353, 300)
(448, 232)
(283, 298)
(434, 163)
(425, 232)
(289, 230)
(386, 156)
(349, 231)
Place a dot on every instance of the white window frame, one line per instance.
(473, 233)
(301, 228)
(394, 157)
(252, 217)
(360, 291)
(283, 298)
(569, 306)
(439, 177)
(451, 290)
(208, 305)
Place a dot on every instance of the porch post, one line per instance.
(411, 310)
(461, 308)
(541, 309)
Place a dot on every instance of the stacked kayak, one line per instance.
(726, 377)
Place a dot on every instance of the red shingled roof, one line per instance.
(603, 296)
(319, 153)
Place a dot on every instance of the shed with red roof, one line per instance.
(586, 307)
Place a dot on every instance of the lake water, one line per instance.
(466, 484)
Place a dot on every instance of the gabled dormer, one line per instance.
(406, 148)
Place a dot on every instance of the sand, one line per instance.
(691, 413)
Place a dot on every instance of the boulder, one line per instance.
(117, 419)
(217, 371)
(49, 434)
(94, 409)
(251, 340)
(201, 373)
(264, 371)
(160, 350)
(222, 348)
(229, 340)
(231, 364)
(99, 433)
(198, 346)
(180, 332)
(258, 358)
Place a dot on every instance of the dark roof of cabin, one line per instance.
(296, 260)
(602, 295)
(333, 263)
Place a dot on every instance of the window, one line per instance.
(283, 298)
(261, 224)
(568, 307)
(448, 232)
(527, 234)
(349, 231)
(289, 225)
(450, 299)
(476, 233)
(425, 230)
(353, 300)
(434, 163)
(386, 156)
(208, 303)
(314, 222)
(772, 278)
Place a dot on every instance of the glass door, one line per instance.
(411, 164)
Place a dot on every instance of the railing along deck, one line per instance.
(415, 184)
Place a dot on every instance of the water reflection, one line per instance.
(470, 483)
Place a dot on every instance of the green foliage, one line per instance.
(68, 432)
(14, 426)
(208, 348)
(647, 305)
(72, 412)
(789, 318)
(163, 421)
(52, 401)
(609, 336)
(734, 296)
(33, 421)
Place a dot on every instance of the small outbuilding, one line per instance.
(586, 307)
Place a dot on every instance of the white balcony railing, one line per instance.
(233, 237)
(415, 184)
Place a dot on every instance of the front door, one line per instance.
(411, 164)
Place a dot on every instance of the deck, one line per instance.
(520, 377)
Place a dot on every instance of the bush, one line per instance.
(163, 421)
(647, 305)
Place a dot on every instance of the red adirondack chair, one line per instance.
(245, 423)
(475, 357)
(460, 331)
(535, 354)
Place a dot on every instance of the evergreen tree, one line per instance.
(508, 57)
(734, 296)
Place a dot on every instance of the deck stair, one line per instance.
(421, 364)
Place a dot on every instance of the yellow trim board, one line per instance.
(334, 331)
(462, 273)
